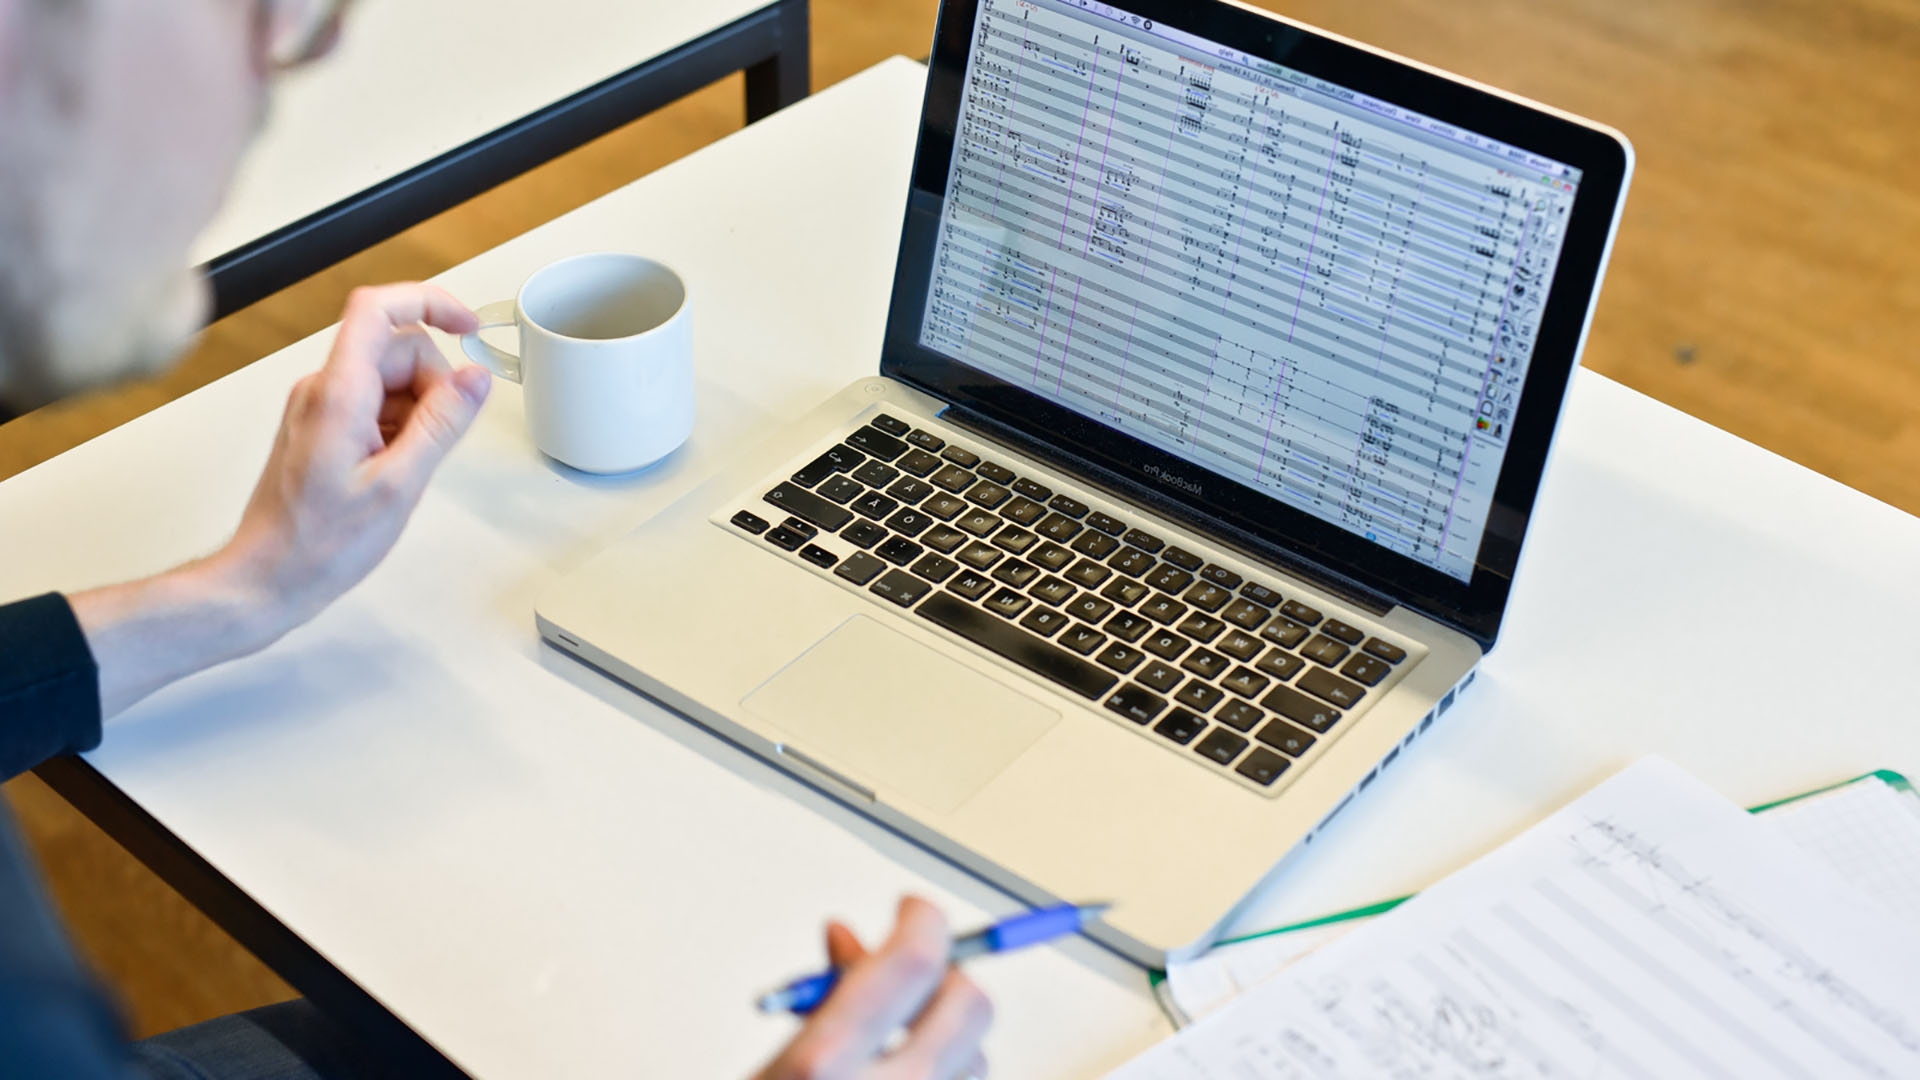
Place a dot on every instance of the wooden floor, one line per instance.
(1767, 280)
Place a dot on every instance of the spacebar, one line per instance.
(1017, 645)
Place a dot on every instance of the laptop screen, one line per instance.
(1319, 301)
(1322, 295)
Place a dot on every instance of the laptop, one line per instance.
(1223, 361)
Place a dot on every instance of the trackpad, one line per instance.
(898, 716)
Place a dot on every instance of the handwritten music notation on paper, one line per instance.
(1650, 929)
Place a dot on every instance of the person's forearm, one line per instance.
(145, 634)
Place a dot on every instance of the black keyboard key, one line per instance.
(988, 494)
(1284, 632)
(1126, 626)
(840, 489)
(1260, 594)
(1169, 578)
(1220, 576)
(941, 538)
(1023, 510)
(979, 522)
(1119, 657)
(1125, 591)
(1145, 541)
(1300, 708)
(1208, 597)
(1132, 562)
(890, 425)
(1044, 621)
(980, 556)
(1246, 682)
(1366, 670)
(875, 505)
(910, 491)
(1009, 641)
(1286, 738)
(807, 506)
(1246, 614)
(1182, 558)
(1221, 745)
(1073, 508)
(1136, 704)
(1325, 684)
(953, 478)
(1392, 654)
(1015, 573)
(1262, 767)
(1161, 676)
(1084, 640)
(860, 568)
(1015, 539)
(971, 584)
(863, 534)
(918, 463)
(1199, 695)
(1059, 527)
(751, 522)
(1007, 603)
(838, 459)
(1050, 556)
(909, 522)
(1088, 574)
(1239, 715)
(875, 474)
(1324, 650)
(999, 474)
(1091, 609)
(1163, 609)
(1299, 612)
(819, 556)
(1181, 726)
(1106, 524)
(783, 537)
(1051, 590)
(1166, 644)
(1205, 663)
(1200, 627)
(878, 443)
(794, 524)
(935, 568)
(900, 587)
(966, 459)
(1281, 664)
(899, 551)
(1036, 492)
(1241, 645)
(926, 440)
(1095, 545)
(1343, 633)
(943, 507)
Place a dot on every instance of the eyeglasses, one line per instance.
(294, 32)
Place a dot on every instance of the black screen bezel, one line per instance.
(1474, 606)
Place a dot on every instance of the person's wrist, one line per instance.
(239, 587)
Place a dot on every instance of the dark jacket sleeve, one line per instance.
(49, 686)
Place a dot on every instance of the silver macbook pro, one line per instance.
(1222, 366)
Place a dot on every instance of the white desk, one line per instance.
(547, 876)
(428, 102)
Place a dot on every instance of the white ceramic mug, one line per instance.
(606, 359)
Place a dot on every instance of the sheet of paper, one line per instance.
(1649, 930)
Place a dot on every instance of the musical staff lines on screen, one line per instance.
(1306, 301)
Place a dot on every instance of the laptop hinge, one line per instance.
(1370, 600)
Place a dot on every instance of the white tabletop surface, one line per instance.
(413, 79)
(548, 876)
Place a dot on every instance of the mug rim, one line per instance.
(520, 306)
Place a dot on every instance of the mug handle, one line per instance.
(499, 361)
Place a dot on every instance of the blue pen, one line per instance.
(802, 996)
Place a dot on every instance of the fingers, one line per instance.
(373, 313)
(945, 1040)
(444, 407)
(877, 993)
(843, 949)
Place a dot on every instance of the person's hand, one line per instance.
(905, 983)
(359, 441)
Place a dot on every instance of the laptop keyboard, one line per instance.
(1237, 673)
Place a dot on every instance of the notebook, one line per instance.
(1648, 929)
(1867, 829)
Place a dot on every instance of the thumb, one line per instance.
(438, 420)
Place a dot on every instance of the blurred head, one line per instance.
(121, 122)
